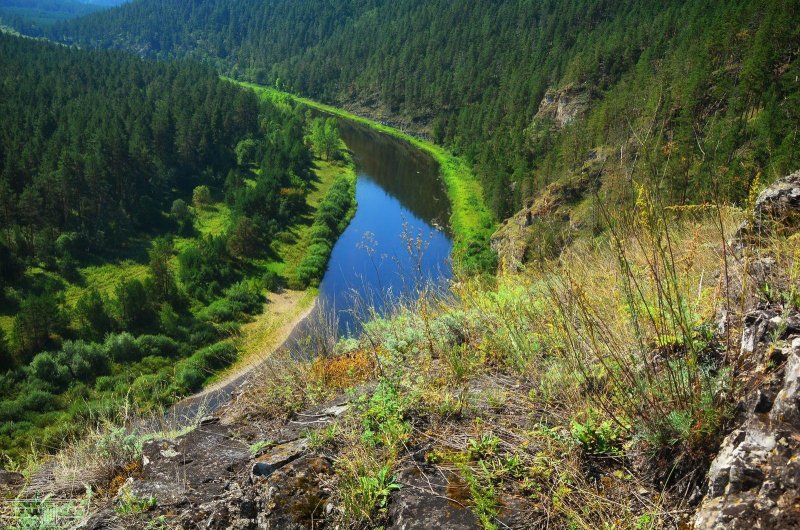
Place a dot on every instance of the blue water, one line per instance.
(398, 241)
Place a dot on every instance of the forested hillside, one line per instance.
(33, 16)
(140, 205)
(98, 144)
(704, 91)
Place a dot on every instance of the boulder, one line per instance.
(777, 208)
(754, 482)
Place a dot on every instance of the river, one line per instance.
(398, 241)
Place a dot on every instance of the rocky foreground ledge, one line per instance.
(209, 478)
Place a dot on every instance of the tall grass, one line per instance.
(651, 364)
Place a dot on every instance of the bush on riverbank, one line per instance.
(332, 217)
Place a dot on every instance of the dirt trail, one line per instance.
(282, 315)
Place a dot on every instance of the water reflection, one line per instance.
(399, 238)
(403, 171)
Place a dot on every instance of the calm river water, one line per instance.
(399, 238)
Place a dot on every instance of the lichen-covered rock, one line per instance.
(194, 468)
(295, 496)
(431, 500)
(777, 208)
(754, 482)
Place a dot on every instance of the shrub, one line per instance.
(218, 311)
(10, 410)
(271, 281)
(329, 221)
(157, 346)
(38, 401)
(205, 267)
(153, 388)
(51, 368)
(190, 377)
(201, 196)
(240, 299)
(122, 347)
(203, 333)
(322, 232)
(86, 359)
(183, 217)
(246, 296)
(216, 356)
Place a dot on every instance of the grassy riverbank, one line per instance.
(284, 310)
(471, 221)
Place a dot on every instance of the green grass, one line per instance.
(471, 221)
(104, 278)
(211, 220)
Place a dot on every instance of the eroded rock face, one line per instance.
(194, 468)
(563, 106)
(209, 478)
(512, 241)
(754, 482)
(777, 208)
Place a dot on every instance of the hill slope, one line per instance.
(32, 16)
(704, 92)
